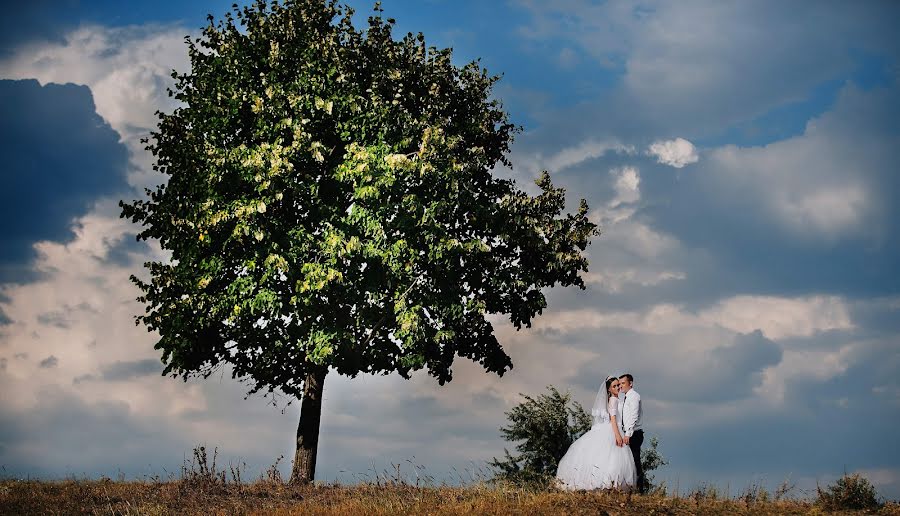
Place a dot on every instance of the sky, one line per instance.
(739, 157)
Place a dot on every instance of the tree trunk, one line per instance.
(304, 469)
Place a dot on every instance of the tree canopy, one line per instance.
(330, 202)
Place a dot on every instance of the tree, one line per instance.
(545, 427)
(330, 206)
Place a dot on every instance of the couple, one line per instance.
(609, 454)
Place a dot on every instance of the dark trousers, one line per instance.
(635, 442)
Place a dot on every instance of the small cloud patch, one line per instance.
(55, 319)
(675, 153)
(119, 371)
(627, 186)
(49, 362)
(83, 378)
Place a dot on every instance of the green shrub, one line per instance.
(850, 492)
(544, 428)
(652, 459)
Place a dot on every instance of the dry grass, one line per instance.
(205, 488)
(194, 496)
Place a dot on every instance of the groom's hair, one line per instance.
(628, 377)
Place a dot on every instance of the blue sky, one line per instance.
(739, 157)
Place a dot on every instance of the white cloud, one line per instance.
(780, 317)
(629, 252)
(576, 154)
(804, 182)
(646, 242)
(631, 241)
(616, 280)
(829, 184)
(682, 65)
(819, 365)
(675, 153)
(93, 305)
(838, 209)
(825, 187)
(127, 70)
(775, 317)
(627, 186)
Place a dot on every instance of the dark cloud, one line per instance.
(35, 21)
(55, 319)
(123, 253)
(83, 378)
(824, 427)
(739, 366)
(65, 317)
(877, 318)
(64, 435)
(121, 371)
(49, 362)
(4, 319)
(82, 436)
(58, 156)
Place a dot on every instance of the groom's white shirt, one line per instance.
(631, 412)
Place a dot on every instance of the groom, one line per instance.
(631, 419)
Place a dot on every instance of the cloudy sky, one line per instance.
(738, 157)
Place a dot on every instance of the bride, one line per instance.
(599, 459)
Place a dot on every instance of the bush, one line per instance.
(545, 427)
(850, 492)
(651, 459)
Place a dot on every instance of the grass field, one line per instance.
(207, 488)
(197, 496)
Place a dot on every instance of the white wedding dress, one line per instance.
(594, 461)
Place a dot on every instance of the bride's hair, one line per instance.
(601, 402)
(609, 381)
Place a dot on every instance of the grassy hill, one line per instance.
(211, 495)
